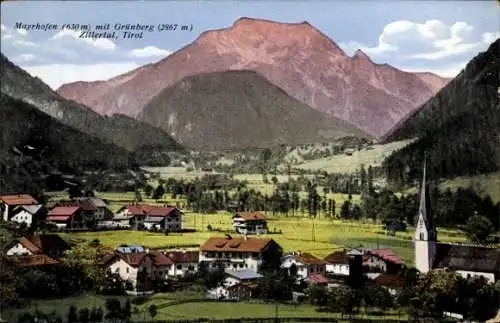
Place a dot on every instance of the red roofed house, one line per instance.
(164, 218)
(185, 262)
(382, 260)
(128, 264)
(393, 282)
(153, 217)
(19, 208)
(250, 223)
(67, 217)
(337, 263)
(238, 253)
(305, 264)
(36, 250)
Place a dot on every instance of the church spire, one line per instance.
(424, 210)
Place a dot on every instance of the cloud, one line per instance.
(149, 51)
(57, 74)
(99, 43)
(447, 71)
(489, 38)
(22, 32)
(22, 42)
(430, 40)
(24, 58)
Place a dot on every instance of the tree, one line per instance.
(318, 295)
(137, 196)
(113, 309)
(152, 310)
(84, 315)
(72, 314)
(127, 311)
(345, 210)
(148, 190)
(159, 192)
(96, 314)
(478, 228)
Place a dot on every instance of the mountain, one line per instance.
(239, 109)
(121, 130)
(34, 144)
(458, 129)
(296, 57)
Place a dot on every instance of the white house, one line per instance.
(465, 260)
(250, 223)
(152, 217)
(237, 284)
(237, 253)
(27, 213)
(305, 264)
(183, 262)
(337, 263)
(11, 211)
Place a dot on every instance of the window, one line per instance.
(127, 270)
(191, 268)
(179, 267)
(422, 236)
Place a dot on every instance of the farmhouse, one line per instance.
(36, 250)
(382, 260)
(67, 217)
(28, 214)
(465, 260)
(337, 263)
(152, 217)
(238, 253)
(128, 265)
(304, 263)
(184, 262)
(15, 208)
(250, 223)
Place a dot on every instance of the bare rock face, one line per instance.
(295, 57)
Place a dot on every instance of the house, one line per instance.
(184, 262)
(153, 217)
(238, 253)
(250, 223)
(465, 260)
(237, 284)
(8, 204)
(317, 279)
(28, 214)
(305, 264)
(48, 244)
(393, 282)
(67, 217)
(102, 211)
(128, 262)
(36, 250)
(382, 260)
(337, 263)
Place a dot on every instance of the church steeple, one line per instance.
(424, 213)
(425, 232)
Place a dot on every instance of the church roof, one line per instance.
(468, 258)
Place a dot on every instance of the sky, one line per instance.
(434, 36)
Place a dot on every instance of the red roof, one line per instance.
(251, 216)
(309, 259)
(64, 211)
(235, 244)
(389, 280)
(387, 254)
(20, 199)
(150, 210)
(183, 256)
(337, 257)
(160, 259)
(317, 279)
(29, 245)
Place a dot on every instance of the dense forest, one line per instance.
(458, 130)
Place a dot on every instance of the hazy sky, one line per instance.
(437, 36)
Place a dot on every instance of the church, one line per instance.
(467, 260)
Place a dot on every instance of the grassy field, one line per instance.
(319, 237)
(349, 164)
(212, 310)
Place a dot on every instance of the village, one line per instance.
(238, 265)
